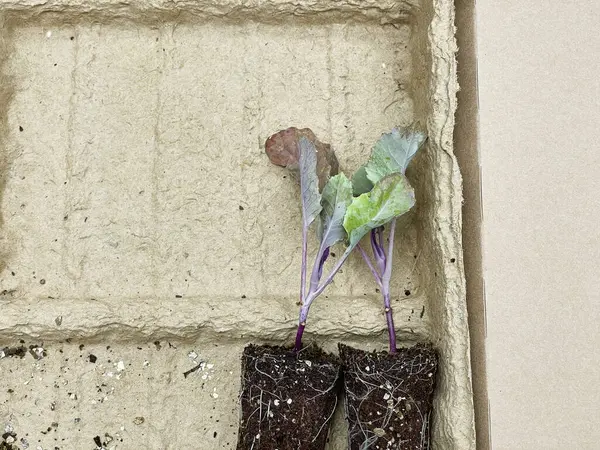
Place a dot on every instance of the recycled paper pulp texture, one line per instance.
(142, 221)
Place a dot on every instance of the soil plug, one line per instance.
(389, 397)
(288, 398)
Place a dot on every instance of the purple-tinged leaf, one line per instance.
(311, 198)
(282, 148)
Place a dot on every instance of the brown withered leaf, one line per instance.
(282, 150)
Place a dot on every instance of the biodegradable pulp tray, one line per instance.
(143, 228)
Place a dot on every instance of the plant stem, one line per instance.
(313, 293)
(385, 282)
(378, 250)
(306, 301)
(299, 333)
(390, 320)
(370, 264)
(314, 277)
(304, 306)
(303, 269)
(387, 274)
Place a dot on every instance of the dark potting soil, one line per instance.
(389, 397)
(287, 398)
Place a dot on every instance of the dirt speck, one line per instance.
(13, 351)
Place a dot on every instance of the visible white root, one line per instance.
(269, 399)
(326, 420)
(385, 393)
(275, 380)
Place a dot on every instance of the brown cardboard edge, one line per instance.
(467, 153)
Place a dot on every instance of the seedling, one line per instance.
(382, 194)
(330, 209)
(386, 167)
(296, 150)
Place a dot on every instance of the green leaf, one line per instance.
(392, 153)
(391, 197)
(360, 182)
(309, 182)
(337, 195)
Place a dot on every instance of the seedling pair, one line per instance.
(347, 210)
(289, 395)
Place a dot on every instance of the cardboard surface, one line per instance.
(205, 217)
(538, 97)
(138, 204)
(467, 154)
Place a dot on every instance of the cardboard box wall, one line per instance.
(537, 68)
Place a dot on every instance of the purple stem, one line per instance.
(322, 262)
(307, 299)
(317, 271)
(390, 321)
(313, 293)
(378, 250)
(376, 245)
(298, 344)
(385, 287)
(302, 321)
(303, 269)
(303, 308)
(329, 279)
(370, 264)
